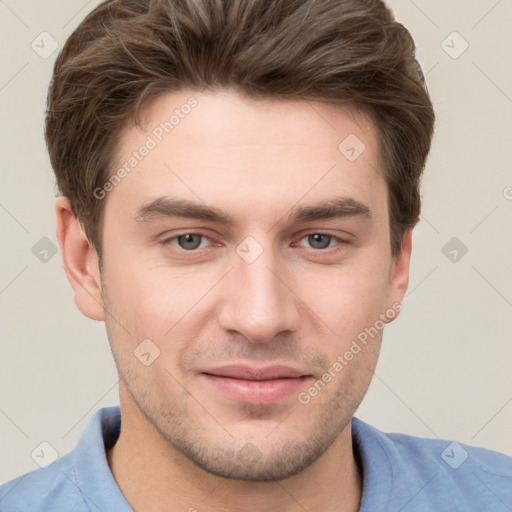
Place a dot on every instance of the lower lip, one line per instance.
(257, 391)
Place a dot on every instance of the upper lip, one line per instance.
(254, 373)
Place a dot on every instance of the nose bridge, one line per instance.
(258, 304)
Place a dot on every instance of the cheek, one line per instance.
(169, 306)
(347, 298)
(142, 299)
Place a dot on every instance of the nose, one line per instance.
(259, 301)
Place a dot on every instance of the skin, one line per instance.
(296, 304)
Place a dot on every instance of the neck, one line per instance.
(153, 475)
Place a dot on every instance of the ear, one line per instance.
(80, 261)
(399, 276)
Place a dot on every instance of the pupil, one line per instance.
(189, 241)
(316, 240)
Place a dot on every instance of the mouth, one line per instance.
(254, 385)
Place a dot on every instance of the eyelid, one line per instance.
(189, 232)
(340, 241)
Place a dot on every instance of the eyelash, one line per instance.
(340, 241)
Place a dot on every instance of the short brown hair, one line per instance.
(127, 52)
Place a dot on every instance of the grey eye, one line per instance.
(319, 241)
(189, 241)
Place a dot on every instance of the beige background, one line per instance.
(445, 368)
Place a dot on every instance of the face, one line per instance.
(247, 276)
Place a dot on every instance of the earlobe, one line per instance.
(80, 261)
(399, 278)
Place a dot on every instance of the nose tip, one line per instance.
(258, 304)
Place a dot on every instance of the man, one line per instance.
(239, 185)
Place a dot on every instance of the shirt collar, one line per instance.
(99, 489)
(92, 474)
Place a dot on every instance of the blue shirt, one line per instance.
(400, 473)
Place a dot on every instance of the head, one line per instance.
(239, 183)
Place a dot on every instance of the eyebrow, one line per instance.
(163, 207)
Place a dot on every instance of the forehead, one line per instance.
(220, 148)
(224, 117)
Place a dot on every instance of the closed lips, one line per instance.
(258, 374)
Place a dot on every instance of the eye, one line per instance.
(322, 240)
(191, 242)
(187, 241)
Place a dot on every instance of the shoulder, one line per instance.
(437, 472)
(79, 481)
(449, 455)
(44, 489)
